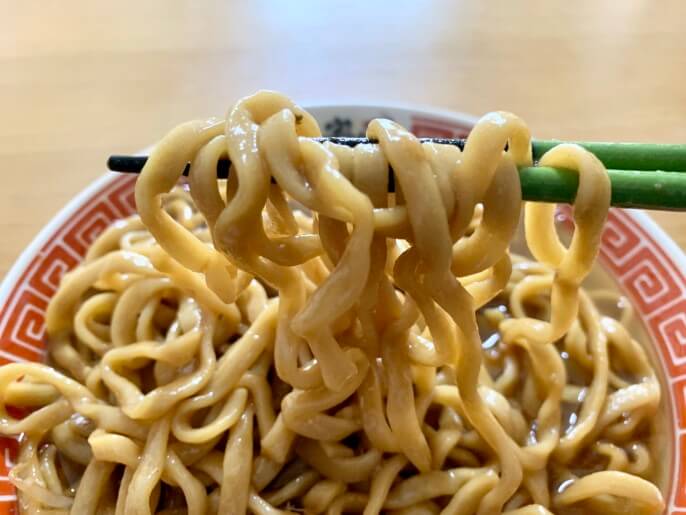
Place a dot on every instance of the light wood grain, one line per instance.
(80, 80)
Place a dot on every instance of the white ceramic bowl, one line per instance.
(647, 266)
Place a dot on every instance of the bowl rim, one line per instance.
(407, 107)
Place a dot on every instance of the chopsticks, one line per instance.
(643, 175)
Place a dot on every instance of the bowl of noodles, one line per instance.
(297, 339)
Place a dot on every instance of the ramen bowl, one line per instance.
(636, 258)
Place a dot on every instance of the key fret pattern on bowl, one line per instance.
(636, 257)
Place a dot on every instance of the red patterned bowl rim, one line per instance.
(649, 267)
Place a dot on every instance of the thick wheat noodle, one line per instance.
(295, 338)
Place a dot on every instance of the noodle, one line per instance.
(295, 338)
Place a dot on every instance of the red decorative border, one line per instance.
(22, 316)
(649, 276)
(656, 287)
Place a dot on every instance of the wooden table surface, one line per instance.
(80, 80)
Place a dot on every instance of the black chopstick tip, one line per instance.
(126, 164)
(111, 163)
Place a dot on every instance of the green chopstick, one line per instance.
(644, 189)
(626, 156)
(643, 175)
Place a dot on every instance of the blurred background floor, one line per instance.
(80, 80)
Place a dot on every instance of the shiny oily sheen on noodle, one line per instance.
(297, 339)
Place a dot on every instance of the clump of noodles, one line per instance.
(298, 339)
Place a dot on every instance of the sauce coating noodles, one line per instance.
(295, 338)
